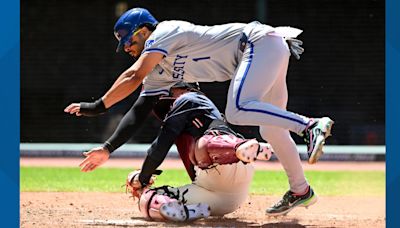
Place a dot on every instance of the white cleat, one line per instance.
(265, 152)
(178, 212)
(174, 211)
(247, 151)
(198, 211)
(253, 150)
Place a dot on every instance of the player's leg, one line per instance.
(233, 178)
(228, 149)
(224, 188)
(286, 151)
(262, 64)
(300, 193)
(194, 195)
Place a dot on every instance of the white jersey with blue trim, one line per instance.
(157, 83)
(197, 53)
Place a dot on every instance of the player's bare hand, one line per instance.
(73, 108)
(94, 108)
(94, 158)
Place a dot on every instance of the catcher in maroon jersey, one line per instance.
(217, 159)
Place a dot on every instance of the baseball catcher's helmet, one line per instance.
(163, 105)
(186, 85)
(130, 22)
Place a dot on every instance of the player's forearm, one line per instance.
(130, 80)
(148, 168)
(121, 90)
(172, 128)
(131, 122)
(119, 79)
(155, 156)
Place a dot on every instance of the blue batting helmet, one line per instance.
(130, 22)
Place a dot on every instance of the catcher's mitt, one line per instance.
(133, 185)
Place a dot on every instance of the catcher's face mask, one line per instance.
(183, 86)
(162, 107)
(164, 104)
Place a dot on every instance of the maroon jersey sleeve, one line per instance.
(185, 144)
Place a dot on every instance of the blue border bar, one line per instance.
(10, 76)
(10, 72)
(392, 113)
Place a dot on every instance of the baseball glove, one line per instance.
(133, 185)
(295, 47)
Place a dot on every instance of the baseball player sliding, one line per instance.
(253, 56)
(210, 151)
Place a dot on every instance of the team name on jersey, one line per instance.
(148, 43)
(179, 64)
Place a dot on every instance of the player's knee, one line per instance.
(233, 113)
(264, 133)
(232, 116)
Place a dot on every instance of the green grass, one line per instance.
(328, 183)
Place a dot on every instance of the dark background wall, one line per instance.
(68, 55)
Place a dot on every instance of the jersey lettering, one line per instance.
(179, 64)
(148, 43)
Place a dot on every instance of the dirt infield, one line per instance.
(116, 209)
(59, 209)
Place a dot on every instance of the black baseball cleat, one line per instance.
(314, 135)
(291, 200)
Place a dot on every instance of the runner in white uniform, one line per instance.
(254, 56)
